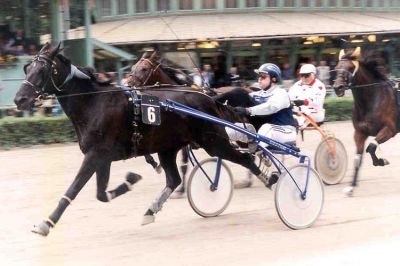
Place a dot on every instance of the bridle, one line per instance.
(154, 68)
(48, 64)
(348, 78)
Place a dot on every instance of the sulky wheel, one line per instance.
(204, 200)
(332, 169)
(295, 212)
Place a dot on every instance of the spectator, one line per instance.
(197, 78)
(208, 76)
(124, 81)
(323, 72)
(233, 78)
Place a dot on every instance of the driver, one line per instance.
(308, 94)
(272, 105)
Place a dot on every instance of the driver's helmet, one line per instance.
(307, 69)
(272, 70)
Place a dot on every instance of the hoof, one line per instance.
(383, 162)
(348, 191)
(158, 169)
(148, 219)
(133, 178)
(42, 229)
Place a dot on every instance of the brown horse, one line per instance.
(375, 104)
(148, 71)
(101, 115)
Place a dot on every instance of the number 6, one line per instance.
(151, 114)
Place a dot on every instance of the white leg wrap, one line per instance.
(109, 196)
(68, 199)
(357, 160)
(158, 202)
(50, 222)
(128, 185)
(375, 142)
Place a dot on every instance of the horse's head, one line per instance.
(37, 76)
(346, 69)
(144, 69)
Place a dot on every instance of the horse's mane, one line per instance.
(373, 61)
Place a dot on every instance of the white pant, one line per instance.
(281, 134)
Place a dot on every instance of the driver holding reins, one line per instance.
(308, 94)
(272, 104)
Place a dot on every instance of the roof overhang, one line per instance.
(258, 25)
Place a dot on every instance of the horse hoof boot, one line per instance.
(349, 191)
(42, 229)
(148, 219)
(133, 178)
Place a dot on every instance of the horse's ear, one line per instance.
(55, 50)
(356, 53)
(154, 57)
(45, 48)
(341, 54)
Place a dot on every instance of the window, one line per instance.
(252, 3)
(272, 3)
(162, 5)
(185, 4)
(231, 3)
(122, 7)
(305, 3)
(141, 6)
(332, 3)
(106, 7)
(289, 3)
(208, 4)
(318, 3)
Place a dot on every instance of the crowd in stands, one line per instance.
(13, 44)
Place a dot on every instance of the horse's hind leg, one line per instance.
(359, 139)
(382, 136)
(103, 176)
(179, 193)
(150, 160)
(168, 163)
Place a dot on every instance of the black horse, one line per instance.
(375, 111)
(101, 116)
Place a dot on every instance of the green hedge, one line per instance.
(28, 131)
(338, 109)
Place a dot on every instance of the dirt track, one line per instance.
(351, 231)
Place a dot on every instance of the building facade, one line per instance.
(247, 33)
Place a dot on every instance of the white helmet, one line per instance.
(308, 68)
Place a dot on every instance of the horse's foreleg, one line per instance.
(103, 176)
(382, 136)
(87, 169)
(168, 163)
(359, 139)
